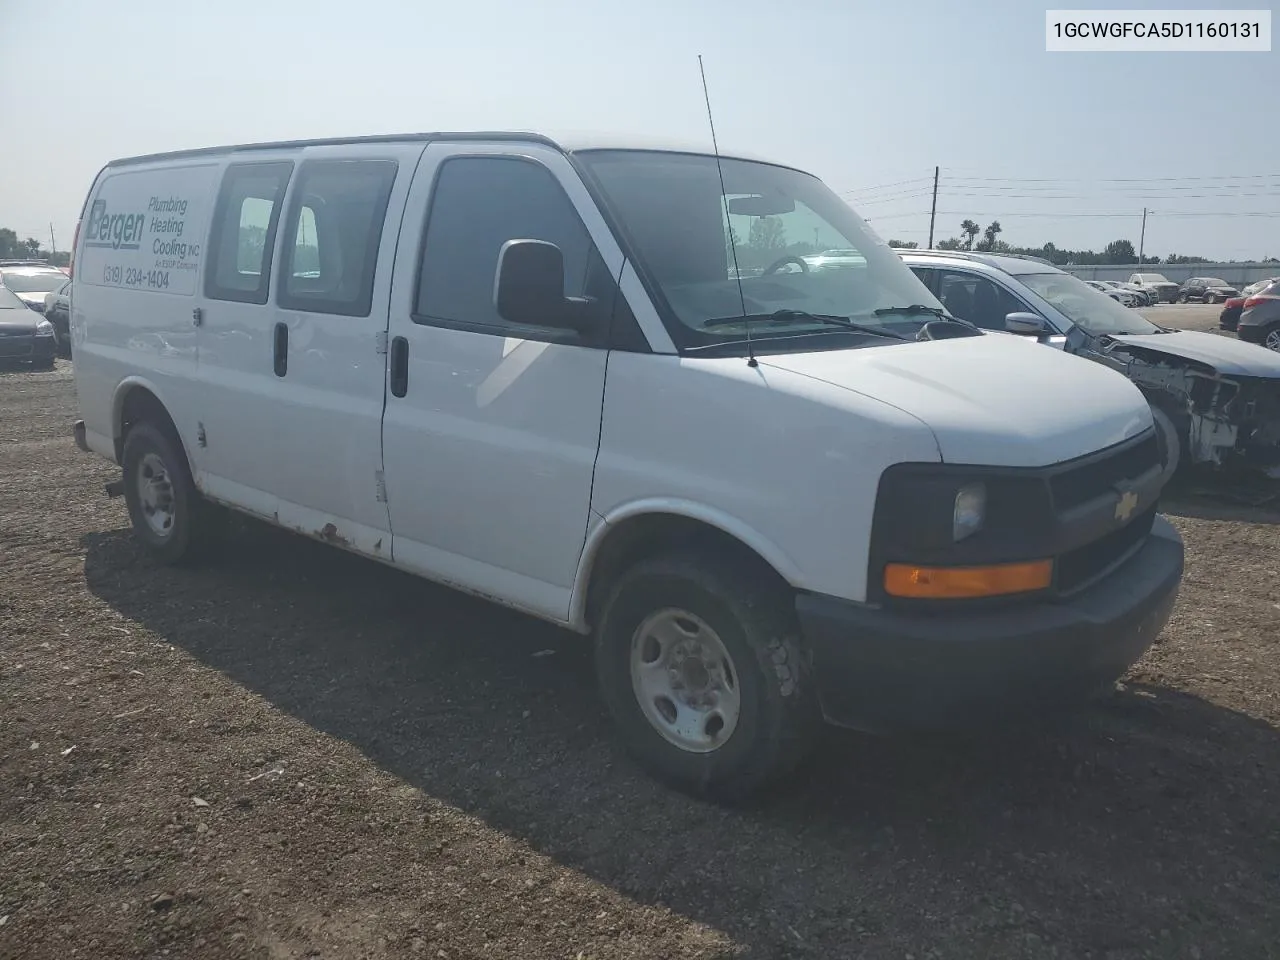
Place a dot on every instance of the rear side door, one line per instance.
(328, 339)
(239, 393)
(491, 430)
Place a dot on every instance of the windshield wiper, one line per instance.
(803, 316)
(919, 308)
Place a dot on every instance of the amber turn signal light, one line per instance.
(952, 583)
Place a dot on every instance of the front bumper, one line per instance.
(881, 670)
(27, 347)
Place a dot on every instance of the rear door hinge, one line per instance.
(382, 341)
(380, 485)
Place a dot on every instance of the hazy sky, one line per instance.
(864, 94)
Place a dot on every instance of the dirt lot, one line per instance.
(296, 753)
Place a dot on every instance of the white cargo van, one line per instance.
(600, 383)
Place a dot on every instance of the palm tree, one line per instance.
(970, 231)
(33, 246)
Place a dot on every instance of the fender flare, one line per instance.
(122, 391)
(719, 520)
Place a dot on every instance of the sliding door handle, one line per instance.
(399, 364)
(280, 360)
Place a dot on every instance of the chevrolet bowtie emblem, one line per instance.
(1124, 506)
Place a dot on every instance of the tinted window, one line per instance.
(478, 204)
(333, 233)
(976, 299)
(244, 230)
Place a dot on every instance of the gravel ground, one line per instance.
(293, 752)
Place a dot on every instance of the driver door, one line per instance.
(491, 429)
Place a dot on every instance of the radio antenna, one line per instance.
(724, 199)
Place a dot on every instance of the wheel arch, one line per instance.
(636, 531)
(137, 399)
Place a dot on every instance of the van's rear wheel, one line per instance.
(166, 510)
(702, 669)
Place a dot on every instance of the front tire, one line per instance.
(700, 664)
(168, 514)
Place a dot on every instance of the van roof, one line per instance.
(566, 142)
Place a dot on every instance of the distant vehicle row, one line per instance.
(26, 333)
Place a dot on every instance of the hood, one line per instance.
(35, 299)
(1227, 355)
(995, 401)
(23, 324)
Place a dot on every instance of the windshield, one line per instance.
(34, 282)
(10, 302)
(798, 246)
(1152, 278)
(1086, 307)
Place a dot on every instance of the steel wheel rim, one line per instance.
(1272, 342)
(155, 495)
(685, 680)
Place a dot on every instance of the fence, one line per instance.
(1237, 274)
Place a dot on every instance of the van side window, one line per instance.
(333, 231)
(244, 231)
(478, 204)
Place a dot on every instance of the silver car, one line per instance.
(1214, 398)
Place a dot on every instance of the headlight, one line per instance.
(970, 511)
(44, 329)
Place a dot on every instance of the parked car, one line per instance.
(24, 334)
(764, 499)
(1206, 290)
(1260, 317)
(1215, 399)
(31, 280)
(1145, 298)
(1160, 287)
(57, 310)
(1123, 297)
(1229, 319)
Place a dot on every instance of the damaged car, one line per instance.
(1215, 399)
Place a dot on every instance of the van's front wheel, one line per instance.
(701, 668)
(165, 508)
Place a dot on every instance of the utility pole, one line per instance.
(1142, 239)
(53, 244)
(933, 211)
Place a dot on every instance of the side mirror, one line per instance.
(529, 287)
(1028, 324)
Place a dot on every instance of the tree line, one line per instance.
(974, 237)
(11, 248)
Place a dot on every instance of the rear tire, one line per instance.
(700, 664)
(1271, 339)
(169, 516)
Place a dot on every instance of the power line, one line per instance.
(1101, 216)
(881, 186)
(1224, 176)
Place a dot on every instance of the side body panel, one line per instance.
(138, 268)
